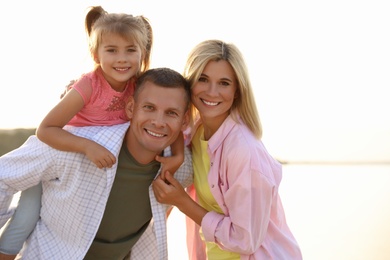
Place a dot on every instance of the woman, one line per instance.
(236, 202)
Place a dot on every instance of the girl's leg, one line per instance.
(22, 223)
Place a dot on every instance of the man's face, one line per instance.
(157, 117)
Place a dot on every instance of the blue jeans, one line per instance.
(23, 221)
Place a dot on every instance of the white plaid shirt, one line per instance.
(75, 193)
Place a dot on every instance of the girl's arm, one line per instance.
(51, 132)
(173, 162)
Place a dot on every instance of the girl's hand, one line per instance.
(170, 164)
(99, 155)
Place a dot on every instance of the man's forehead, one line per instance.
(169, 98)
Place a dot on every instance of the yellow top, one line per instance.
(201, 164)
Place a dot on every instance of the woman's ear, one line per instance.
(236, 94)
(129, 109)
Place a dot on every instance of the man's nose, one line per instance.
(159, 120)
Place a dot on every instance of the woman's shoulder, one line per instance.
(240, 134)
(242, 146)
(243, 142)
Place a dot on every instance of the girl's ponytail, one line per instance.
(149, 44)
(94, 13)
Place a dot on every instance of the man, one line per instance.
(92, 213)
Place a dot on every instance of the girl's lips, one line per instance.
(122, 69)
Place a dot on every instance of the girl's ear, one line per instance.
(96, 58)
(129, 109)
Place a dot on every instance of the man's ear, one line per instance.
(130, 108)
(186, 120)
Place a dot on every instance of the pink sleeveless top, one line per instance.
(102, 104)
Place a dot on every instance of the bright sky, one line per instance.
(320, 69)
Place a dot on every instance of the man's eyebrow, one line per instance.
(175, 109)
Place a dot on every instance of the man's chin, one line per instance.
(157, 148)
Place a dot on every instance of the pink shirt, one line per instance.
(244, 180)
(102, 104)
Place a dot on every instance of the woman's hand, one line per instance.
(168, 190)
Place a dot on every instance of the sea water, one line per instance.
(335, 211)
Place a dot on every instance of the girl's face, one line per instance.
(215, 91)
(119, 59)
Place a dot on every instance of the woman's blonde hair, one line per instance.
(137, 28)
(244, 105)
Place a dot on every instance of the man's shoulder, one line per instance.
(90, 131)
(110, 137)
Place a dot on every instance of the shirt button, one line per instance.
(212, 186)
(211, 163)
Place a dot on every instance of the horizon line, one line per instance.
(335, 162)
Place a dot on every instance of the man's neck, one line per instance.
(141, 155)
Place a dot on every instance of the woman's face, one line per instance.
(215, 91)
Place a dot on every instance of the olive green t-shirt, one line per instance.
(128, 210)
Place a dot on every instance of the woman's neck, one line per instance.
(211, 125)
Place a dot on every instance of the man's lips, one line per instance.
(154, 134)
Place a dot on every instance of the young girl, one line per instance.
(120, 45)
(236, 200)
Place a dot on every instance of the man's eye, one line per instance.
(172, 113)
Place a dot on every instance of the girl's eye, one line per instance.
(224, 83)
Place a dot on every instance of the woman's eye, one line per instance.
(202, 79)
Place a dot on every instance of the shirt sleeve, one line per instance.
(84, 87)
(185, 173)
(21, 169)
